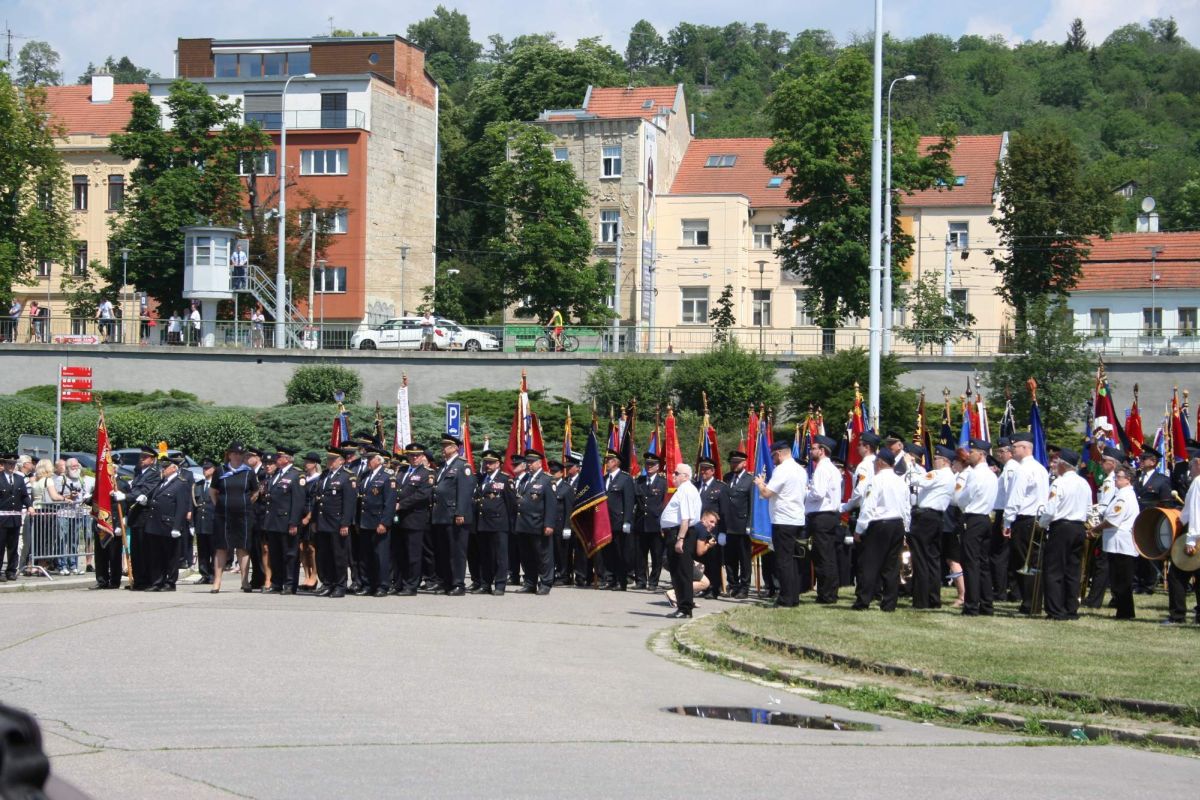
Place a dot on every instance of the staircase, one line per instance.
(261, 287)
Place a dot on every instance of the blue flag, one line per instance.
(1039, 436)
(589, 519)
(760, 509)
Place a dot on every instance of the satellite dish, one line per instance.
(1148, 204)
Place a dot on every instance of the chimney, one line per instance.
(1147, 223)
(102, 87)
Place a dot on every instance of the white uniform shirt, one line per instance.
(1004, 484)
(1191, 514)
(888, 499)
(864, 473)
(684, 504)
(1028, 491)
(788, 482)
(975, 489)
(824, 488)
(935, 489)
(1121, 513)
(1070, 499)
(1108, 488)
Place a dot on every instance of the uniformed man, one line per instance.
(577, 558)
(975, 494)
(285, 499)
(714, 496)
(1027, 495)
(935, 490)
(536, 514)
(822, 498)
(1182, 579)
(650, 495)
(617, 556)
(737, 524)
(377, 501)
(334, 506)
(356, 466)
(495, 505)
(880, 530)
(258, 535)
(167, 509)
(15, 502)
(1063, 518)
(564, 496)
(1116, 527)
(453, 515)
(307, 552)
(204, 510)
(414, 495)
(1005, 581)
(1153, 489)
(516, 463)
(145, 478)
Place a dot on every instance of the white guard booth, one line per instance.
(206, 255)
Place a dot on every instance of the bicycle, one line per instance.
(566, 343)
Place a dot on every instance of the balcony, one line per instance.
(309, 120)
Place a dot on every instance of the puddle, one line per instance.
(763, 716)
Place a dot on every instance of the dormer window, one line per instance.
(648, 104)
(775, 182)
(720, 161)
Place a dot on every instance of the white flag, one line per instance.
(403, 423)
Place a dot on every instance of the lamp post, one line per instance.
(280, 271)
(876, 268)
(1154, 327)
(762, 270)
(887, 223)
(125, 318)
(403, 263)
(321, 266)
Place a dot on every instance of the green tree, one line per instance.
(1047, 211)
(935, 321)
(733, 378)
(35, 221)
(821, 124)
(542, 258)
(1076, 38)
(722, 316)
(1048, 350)
(827, 382)
(645, 48)
(37, 65)
(316, 383)
(450, 52)
(186, 175)
(616, 381)
(123, 70)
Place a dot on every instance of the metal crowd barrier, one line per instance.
(57, 539)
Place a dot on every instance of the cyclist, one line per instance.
(556, 323)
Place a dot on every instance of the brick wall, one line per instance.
(352, 58)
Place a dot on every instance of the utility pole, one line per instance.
(876, 267)
(947, 345)
(616, 325)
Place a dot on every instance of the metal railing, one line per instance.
(309, 120)
(57, 539)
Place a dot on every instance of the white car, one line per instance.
(404, 333)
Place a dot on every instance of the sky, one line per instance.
(145, 30)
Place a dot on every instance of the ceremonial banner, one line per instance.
(526, 431)
(467, 453)
(1035, 428)
(1133, 426)
(589, 519)
(760, 507)
(105, 481)
(672, 456)
(403, 418)
(341, 425)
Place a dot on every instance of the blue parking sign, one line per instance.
(454, 419)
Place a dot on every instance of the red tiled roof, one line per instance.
(973, 157)
(620, 102)
(1124, 262)
(748, 175)
(72, 107)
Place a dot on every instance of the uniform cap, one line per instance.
(450, 438)
(981, 444)
(827, 442)
(1069, 456)
(1004, 441)
(254, 451)
(489, 455)
(287, 451)
(650, 457)
(207, 464)
(915, 450)
(414, 449)
(705, 461)
(555, 466)
(781, 444)
(533, 455)
(610, 453)
(887, 457)
(736, 455)
(269, 458)
(1147, 450)
(867, 437)
(234, 447)
(152, 450)
(1023, 436)
(1114, 454)
(312, 457)
(516, 458)
(943, 451)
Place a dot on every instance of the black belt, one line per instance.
(975, 515)
(820, 513)
(920, 510)
(1023, 516)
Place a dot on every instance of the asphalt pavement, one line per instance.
(193, 695)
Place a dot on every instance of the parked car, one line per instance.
(127, 461)
(404, 333)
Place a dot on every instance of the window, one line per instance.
(80, 265)
(762, 237)
(775, 182)
(330, 280)
(116, 192)
(762, 307)
(299, 63)
(265, 108)
(610, 225)
(336, 221)
(260, 164)
(274, 63)
(1098, 318)
(695, 306)
(803, 317)
(226, 65)
(43, 268)
(560, 154)
(958, 297)
(695, 233)
(324, 162)
(1152, 321)
(333, 109)
(250, 65)
(720, 161)
(611, 167)
(80, 185)
(959, 235)
(202, 254)
(1187, 321)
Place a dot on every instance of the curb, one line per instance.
(43, 585)
(1016, 722)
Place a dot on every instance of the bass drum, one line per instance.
(1154, 530)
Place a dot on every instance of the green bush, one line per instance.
(733, 378)
(616, 381)
(21, 416)
(207, 435)
(828, 381)
(110, 398)
(316, 383)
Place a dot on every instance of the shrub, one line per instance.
(110, 398)
(828, 381)
(316, 383)
(207, 435)
(733, 378)
(616, 381)
(21, 416)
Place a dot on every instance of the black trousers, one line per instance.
(766, 567)
(374, 559)
(163, 553)
(514, 561)
(10, 535)
(493, 559)
(999, 549)
(332, 558)
(1179, 585)
(139, 558)
(578, 560)
(450, 548)
(473, 567)
(713, 561)
(537, 561)
(787, 570)
(562, 569)
(1146, 576)
(649, 544)
(1120, 579)
(737, 562)
(360, 556)
(1013, 560)
(823, 541)
(1099, 571)
(925, 547)
(108, 561)
(428, 556)
(1061, 557)
(681, 567)
(204, 556)
(281, 547)
(615, 557)
(257, 577)
(976, 564)
(408, 550)
(879, 563)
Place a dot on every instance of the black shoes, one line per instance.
(381, 593)
(407, 593)
(474, 588)
(324, 591)
(543, 590)
(679, 614)
(338, 592)
(457, 591)
(526, 590)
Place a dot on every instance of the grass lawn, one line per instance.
(1095, 655)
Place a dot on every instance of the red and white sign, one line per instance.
(76, 372)
(76, 396)
(75, 338)
(76, 383)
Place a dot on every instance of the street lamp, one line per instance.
(280, 272)
(321, 266)
(403, 259)
(125, 318)
(874, 350)
(762, 269)
(1154, 276)
(887, 222)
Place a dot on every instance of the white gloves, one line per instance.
(721, 539)
(175, 534)
(626, 528)
(118, 496)
(566, 533)
(142, 500)
(848, 539)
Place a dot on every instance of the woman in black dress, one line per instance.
(233, 491)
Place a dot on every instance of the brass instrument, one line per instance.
(1026, 569)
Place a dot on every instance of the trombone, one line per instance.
(1035, 572)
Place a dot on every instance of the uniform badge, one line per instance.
(1051, 497)
(466, 471)
(928, 476)
(374, 490)
(861, 478)
(1117, 509)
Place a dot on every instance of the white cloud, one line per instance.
(988, 27)
(1102, 17)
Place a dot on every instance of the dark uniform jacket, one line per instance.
(537, 504)
(170, 503)
(715, 497)
(620, 500)
(454, 493)
(285, 499)
(203, 509)
(14, 496)
(651, 493)
(311, 484)
(143, 482)
(495, 503)
(358, 470)
(1156, 491)
(414, 493)
(564, 495)
(260, 503)
(377, 498)
(336, 501)
(740, 497)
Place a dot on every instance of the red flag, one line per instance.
(466, 437)
(628, 449)
(105, 481)
(1179, 446)
(751, 438)
(520, 436)
(672, 456)
(856, 430)
(589, 519)
(1133, 427)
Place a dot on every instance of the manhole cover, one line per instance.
(762, 716)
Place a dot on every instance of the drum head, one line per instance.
(1164, 533)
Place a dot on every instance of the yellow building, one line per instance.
(88, 115)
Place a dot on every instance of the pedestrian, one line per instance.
(204, 512)
(14, 320)
(564, 497)
(285, 499)
(257, 319)
(233, 491)
(705, 539)
(1064, 537)
(453, 515)
(714, 496)
(975, 494)
(307, 553)
(882, 523)
(822, 498)
(169, 508)
(536, 509)
(335, 507)
(377, 497)
(15, 502)
(43, 315)
(495, 508)
(651, 496)
(679, 515)
(194, 324)
(45, 535)
(35, 334)
(618, 556)
(427, 325)
(174, 329)
(1181, 577)
(1027, 495)
(76, 490)
(1116, 525)
(934, 491)
(785, 491)
(104, 318)
(108, 548)
(414, 496)
(238, 260)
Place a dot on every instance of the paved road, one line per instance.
(194, 696)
